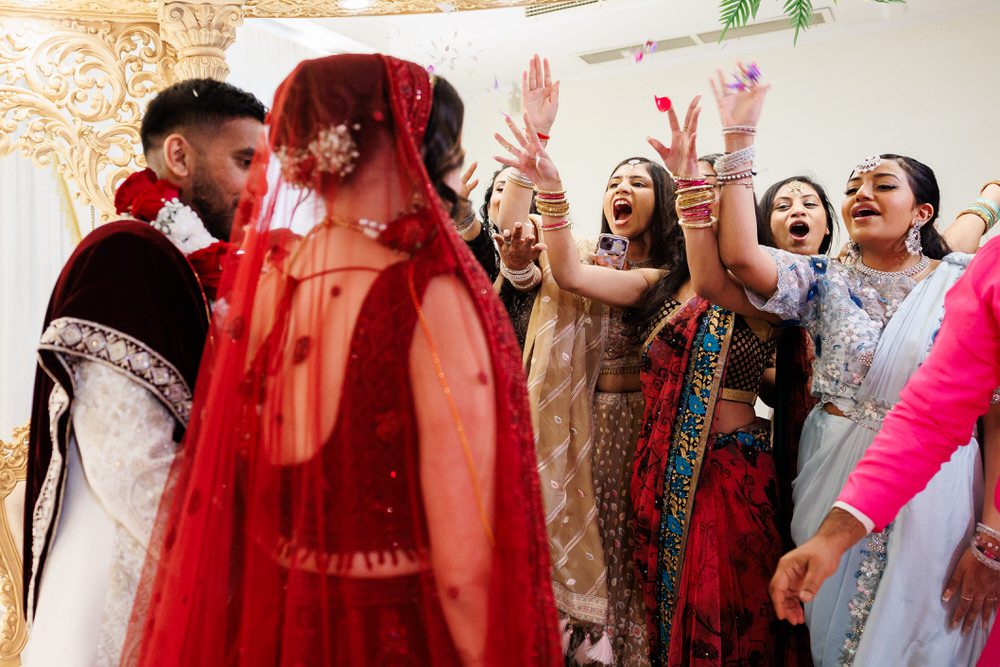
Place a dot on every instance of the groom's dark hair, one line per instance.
(196, 103)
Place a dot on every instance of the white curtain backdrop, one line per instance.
(36, 238)
(265, 52)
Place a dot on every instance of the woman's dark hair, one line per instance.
(442, 150)
(666, 248)
(767, 202)
(484, 210)
(925, 188)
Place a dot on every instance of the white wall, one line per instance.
(929, 91)
(262, 56)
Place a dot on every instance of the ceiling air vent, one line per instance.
(541, 9)
(819, 17)
(610, 55)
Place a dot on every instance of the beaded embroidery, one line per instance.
(869, 575)
(45, 507)
(845, 310)
(81, 338)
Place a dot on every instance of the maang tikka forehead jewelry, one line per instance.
(870, 163)
(634, 162)
(795, 187)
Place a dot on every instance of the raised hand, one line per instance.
(518, 248)
(681, 159)
(539, 95)
(529, 156)
(468, 182)
(740, 101)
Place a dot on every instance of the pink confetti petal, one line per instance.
(662, 103)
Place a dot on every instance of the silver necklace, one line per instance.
(914, 270)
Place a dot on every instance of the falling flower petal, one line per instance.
(662, 103)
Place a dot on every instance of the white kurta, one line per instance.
(120, 455)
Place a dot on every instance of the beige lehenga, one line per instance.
(617, 420)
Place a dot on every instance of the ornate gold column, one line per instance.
(201, 31)
(72, 93)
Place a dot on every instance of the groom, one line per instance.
(117, 362)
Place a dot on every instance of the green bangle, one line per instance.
(990, 204)
(980, 212)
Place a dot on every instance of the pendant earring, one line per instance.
(913, 245)
(853, 252)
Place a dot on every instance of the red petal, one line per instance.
(662, 103)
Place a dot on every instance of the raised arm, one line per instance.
(967, 231)
(709, 277)
(617, 288)
(739, 108)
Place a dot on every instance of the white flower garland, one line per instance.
(183, 227)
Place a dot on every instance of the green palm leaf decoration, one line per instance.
(738, 13)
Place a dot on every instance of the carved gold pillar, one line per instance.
(72, 94)
(201, 31)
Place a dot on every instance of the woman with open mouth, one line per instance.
(602, 355)
(583, 366)
(705, 596)
(799, 215)
(873, 314)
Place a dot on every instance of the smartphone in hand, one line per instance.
(611, 250)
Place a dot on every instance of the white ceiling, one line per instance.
(486, 50)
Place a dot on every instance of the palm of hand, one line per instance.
(742, 107)
(538, 104)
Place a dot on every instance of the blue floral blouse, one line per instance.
(843, 309)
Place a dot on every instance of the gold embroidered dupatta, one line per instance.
(562, 356)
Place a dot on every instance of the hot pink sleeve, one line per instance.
(939, 406)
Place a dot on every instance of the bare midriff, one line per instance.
(732, 416)
(618, 383)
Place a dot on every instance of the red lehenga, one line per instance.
(303, 524)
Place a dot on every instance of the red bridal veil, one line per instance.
(358, 484)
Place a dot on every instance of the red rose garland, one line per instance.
(145, 197)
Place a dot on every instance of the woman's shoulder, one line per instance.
(959, 259)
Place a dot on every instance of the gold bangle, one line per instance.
(695, 188)
(550, 192)
(988, 184)
(981, 214)
(698, 225)
(557, 211)
(695, 199)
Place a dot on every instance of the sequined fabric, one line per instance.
(124, 437)
(617, 420)
(844, 311)
(622, 355)
(368, 449)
